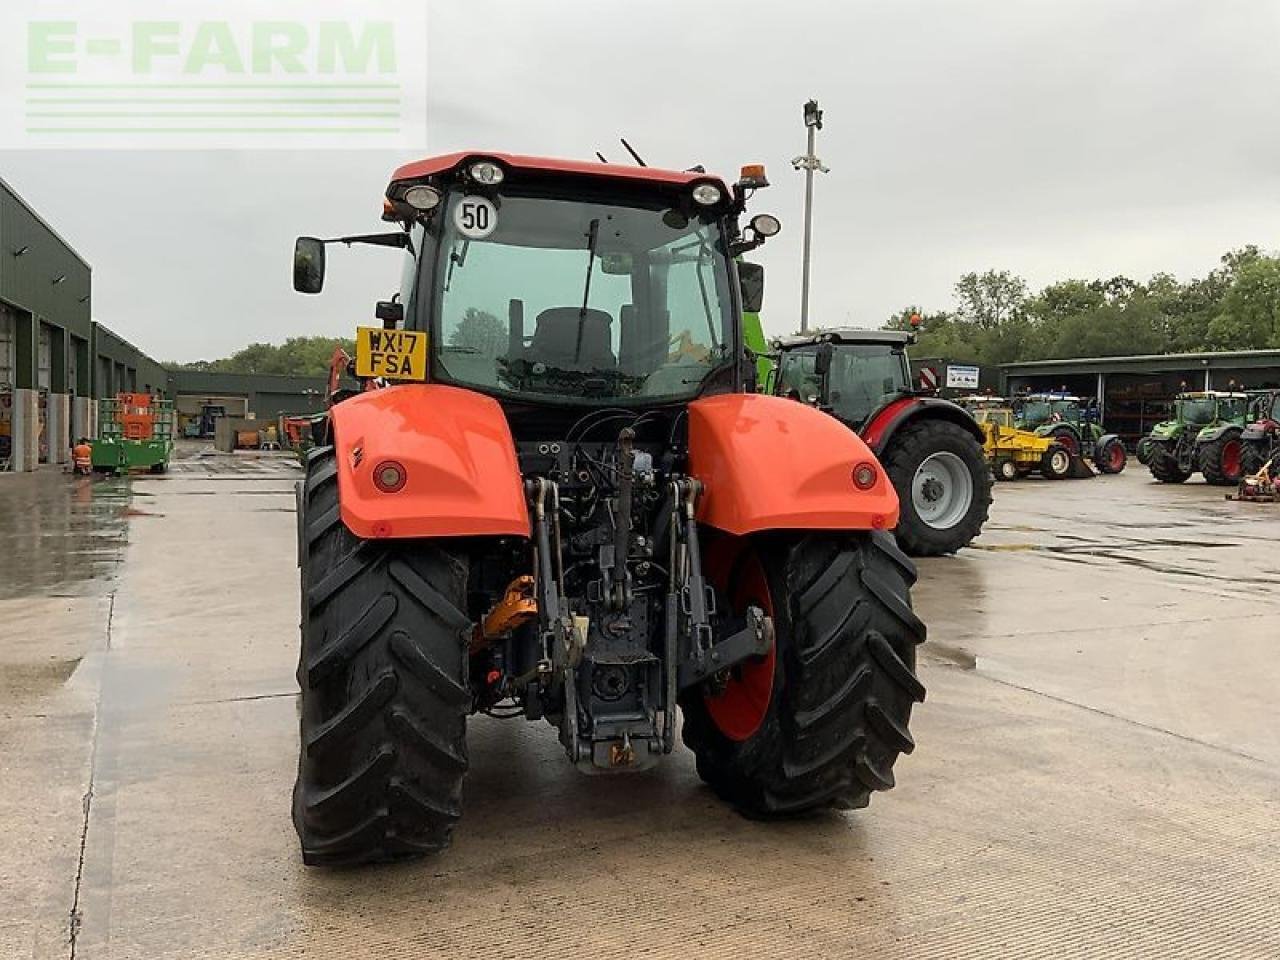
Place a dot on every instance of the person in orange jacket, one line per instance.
(82, 456)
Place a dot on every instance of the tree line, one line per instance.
(298, 356)
(997, 319)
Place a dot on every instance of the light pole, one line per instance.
(808, 163)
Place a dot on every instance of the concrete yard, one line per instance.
(1097, 772)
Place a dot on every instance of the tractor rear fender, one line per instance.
(888, 420)
(1210, 434)
(1259, 431)
(767, 463)
(457, 462)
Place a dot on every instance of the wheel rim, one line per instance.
(1116, 456)
(1067, 439)
(942, 490)
(1008, 470)
(1231, 452)
(1060, 461)
(740, 707)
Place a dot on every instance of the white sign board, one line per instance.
(962, 377)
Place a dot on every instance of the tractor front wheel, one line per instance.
(1056, 463)
(1220, 460)
(1163, 465)
(821, 721)
(385, 693)
(943, 484)
(1111, 457)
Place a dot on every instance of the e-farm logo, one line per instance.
(213, 73)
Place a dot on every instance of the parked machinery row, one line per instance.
(1223, 435)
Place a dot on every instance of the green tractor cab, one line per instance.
(1203, 436)
(1073, 424)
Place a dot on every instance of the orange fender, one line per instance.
(458, 461)
(768, 463)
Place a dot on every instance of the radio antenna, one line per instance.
(634, 156)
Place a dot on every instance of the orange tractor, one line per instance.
(558, 496)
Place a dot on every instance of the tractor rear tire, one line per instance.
(1221, 460)
(1056, 463)
(1111, 456)
(842, 687)
(949, 457)
(385, 691)
(1164, 466)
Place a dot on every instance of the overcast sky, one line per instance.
(1053, 139)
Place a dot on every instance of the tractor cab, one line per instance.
(849, 373)
(567, 286)
(1210, 407)
(1038, 409)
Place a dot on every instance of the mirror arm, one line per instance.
(397, 239)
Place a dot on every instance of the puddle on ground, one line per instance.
(60, 533)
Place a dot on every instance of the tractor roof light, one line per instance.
(486, 173)
(707, 194)
(422, 197)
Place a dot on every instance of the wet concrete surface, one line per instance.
(1098, 769)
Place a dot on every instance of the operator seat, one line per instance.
(561, 341)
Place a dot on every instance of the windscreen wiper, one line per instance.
(593, 234)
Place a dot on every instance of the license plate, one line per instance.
(393, 354)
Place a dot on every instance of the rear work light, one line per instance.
(864, 475)
(707, 194)
(422, 197)
(389, 476)
(486, 172)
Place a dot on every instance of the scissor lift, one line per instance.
(135, 432)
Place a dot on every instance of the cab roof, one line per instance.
(1212, 394)
(847, 335)
(430, 166)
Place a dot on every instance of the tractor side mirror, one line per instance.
(308, 265)
(822, 362)
(751, 282)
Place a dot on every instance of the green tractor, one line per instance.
(1073, 424)
(1204, 436)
